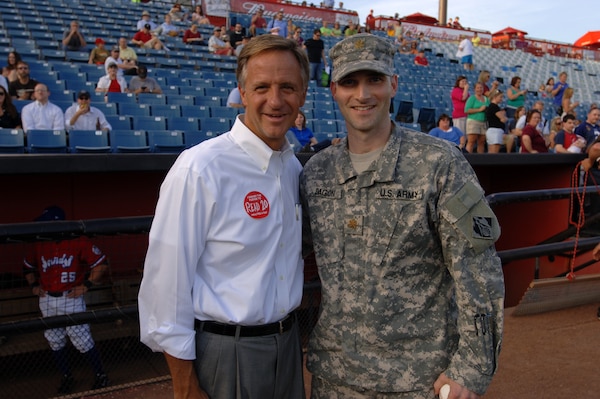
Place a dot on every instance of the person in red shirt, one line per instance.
(532, 141)
(420, 59)
(146, 39)
(57, 272)
(566, 141)
(193, 35)
(257, 22)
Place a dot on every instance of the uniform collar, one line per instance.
(382, 170)
(260, 152)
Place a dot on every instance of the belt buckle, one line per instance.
(281, 326)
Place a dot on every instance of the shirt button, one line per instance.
(281, 277)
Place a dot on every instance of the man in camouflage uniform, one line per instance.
(404, 240)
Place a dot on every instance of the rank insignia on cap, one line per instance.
(482, 227)
(353, 224)
(360, 44)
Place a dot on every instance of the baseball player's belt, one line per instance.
(279, 327)
(56, 294)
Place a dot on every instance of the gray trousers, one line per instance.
(250, 367)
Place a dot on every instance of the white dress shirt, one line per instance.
(92, 120)
(36, 116)
(225, 243)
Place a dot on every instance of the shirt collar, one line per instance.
(260, 152)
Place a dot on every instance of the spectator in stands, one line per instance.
(146, 39)
(566, 141)
(257, 22)
(193, 35)
(568, 105)
(41, 113)
(420, 58)
(9, 116)
(325, 29)
(222, 328)
(167, 28)
(73, 39)
(456, 24)
(465, 53)
(336, 31)
(290, 28)
(23, 87)
(304, 135)
(532, 142)
(100, 53)
(476, 126)
(543, 126)
(82, 116)
(450, 23)
(216, 45)
(555, 127)
(234, 99)
(237, 36)
(277, 25)
(590, 128)
(475, 40)
(514, 132)
(545, 90)
(128, 56)
(297, 36)
(315, 49)
(370, 21)
(351, 29)
(459, 96)
(142, 83)
(145, 20)
(10, 70)
(198, 16)
(558, 90)
(484, 78)
(329, 3)
(239, 48)
(447, 132)
(60, 272)
(178, 13)
(404, 45)
(112, 82)
(496, 121)
(515, 96)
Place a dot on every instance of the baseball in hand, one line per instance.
(444, 391)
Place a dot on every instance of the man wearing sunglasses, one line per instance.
(22, 87)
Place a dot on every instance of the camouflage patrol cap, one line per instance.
(361, 52)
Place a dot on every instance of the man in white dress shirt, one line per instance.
(82, 116)
(41, 114)
(224, 270)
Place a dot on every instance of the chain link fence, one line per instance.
(29, 368)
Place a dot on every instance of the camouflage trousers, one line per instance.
(321, 389)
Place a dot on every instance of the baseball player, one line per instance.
(57, 273)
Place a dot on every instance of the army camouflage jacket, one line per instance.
(411, 283)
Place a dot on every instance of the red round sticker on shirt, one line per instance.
(256, 205)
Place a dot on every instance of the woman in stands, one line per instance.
(459, 96)
(10, 70)
(546, 89)
(556, 126)
(514, 133)
(476, 123)
(9, 116)
(515, 96)
(568, 105)
(100, 53)
(304, 135)
(496, 118)
(532, 141)
(198, 16)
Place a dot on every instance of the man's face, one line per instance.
(83, 101)
(22, 71)
(594, 116)
(364, 100)
(569, 125)
(112, 72)
(41, 93)
(317, 36)
(122, 42)
(272, 95)
(238, 28)
(563, 77)
(444, 124)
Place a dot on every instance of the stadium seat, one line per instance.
(426, 119)
(106, 108)
(129, 141)
(224, 112)
(325, 126)
(170, 111)
(121, 98)
(196, 111)
(135, 110)
(209, 101)
(149, 98)
(88, 141)
(165, 140)
(46, 141)
(187, 124)
(119, 122)
(405, 112)
(12, 141)
(191, 138)
(149, 123)
(181, 100)
(216, 126)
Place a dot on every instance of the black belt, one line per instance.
(279, 327)
(55, 294)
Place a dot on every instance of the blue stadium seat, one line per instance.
(215, 126)
(88, 141)
(119, 122)
(121, 98)
(12, 141)
(149, 98)
(149, 123)
(426, 119)
(224, 112)
(191, 138)
(133, 109)
(184, 124)
(170, 111)
(106, 108)
(165, 140)
(209, 101)
(129, 141)
(181, 100)
(325, 126)
(46, 141)
(196, 111)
